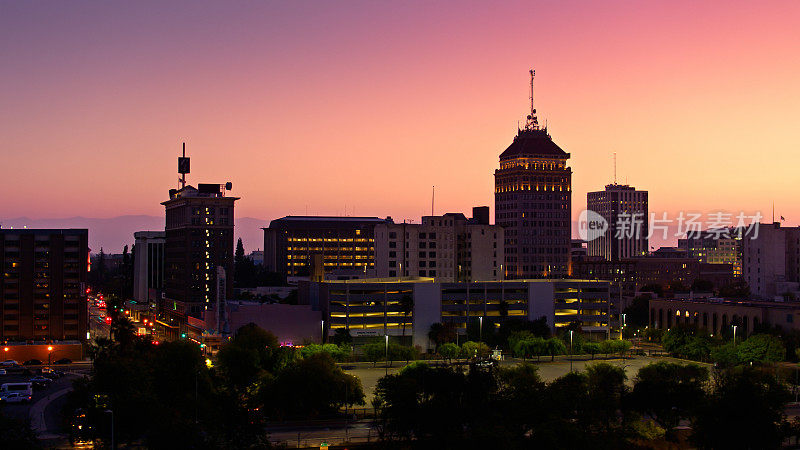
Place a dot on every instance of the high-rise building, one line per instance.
(771, 261)
(344, 243)
(625, 210)
(148, 268)
(448, 248)
(43, 288)
(198, 240)
(533, 203)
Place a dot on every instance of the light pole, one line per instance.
(322, 334)
(734, 335)
(49, 354)
(387, 354)
(480, 329)
(113, 443)
(570, 350)
(621, 325)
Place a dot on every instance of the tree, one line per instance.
(406, 307)
(701, 285)
(17, 434)
(374, 351)
(669, 392)
(637, 314)
(606, 389)
(555, 347)
(735, 289)
(342, 337)
(449, 351)
(312, 387)
(441, 333)
(591, 348)
(746, 410)
(474, 349)
(761, 349)
(606, 347)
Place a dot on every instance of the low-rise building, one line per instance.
(450, 247)
(409, 306)
(719, 315)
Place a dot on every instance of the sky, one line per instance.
(360, 107)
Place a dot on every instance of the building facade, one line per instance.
(714, 247)
(378, 307)
(718, 316)
(448, 248)
(148, 264)
(771, 262)
(291, 243)
(198, 239)
(533, 198)
(625, 209)
(43, 288)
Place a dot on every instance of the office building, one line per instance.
(625, 210)
(291, 242)
(533, 203)
(148, 265)
(714, 247)
(409, 306)
(448, 248)
(198, 242)
(43, 288)
(771, 262)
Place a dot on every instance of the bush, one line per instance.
(449, 351)
(471, 349)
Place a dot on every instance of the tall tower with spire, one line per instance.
(533, 203)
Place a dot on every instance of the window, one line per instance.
(392, 254)
(422, 235)
(421, 254)
(392, 244)
(422, 244)
(392, 235)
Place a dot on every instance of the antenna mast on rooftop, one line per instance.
(183, 166)
(532, 123)
(615, 168)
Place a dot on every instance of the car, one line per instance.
(3, 372)
(485, 362)
(15, 397)
(64, 361)
(32, 362)
(9, 363)
(40, 381)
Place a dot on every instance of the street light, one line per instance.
(734, 335)
(49, 354)
(480, 329)
(113, 443)
(322, 334)
(387, 354)
(570, 350)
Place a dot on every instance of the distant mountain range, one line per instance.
(114, 233)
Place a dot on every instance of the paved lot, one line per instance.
(549, 371)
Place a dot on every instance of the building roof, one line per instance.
(533, 143)
(313, 221)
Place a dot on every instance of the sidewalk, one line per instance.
(37, 414)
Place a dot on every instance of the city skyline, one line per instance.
(309, 115)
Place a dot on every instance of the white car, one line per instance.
(9, 362)
(15, 397)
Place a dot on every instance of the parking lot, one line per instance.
(48, 405)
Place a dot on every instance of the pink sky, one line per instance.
(314, 106)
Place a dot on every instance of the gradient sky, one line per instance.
(317, 106)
